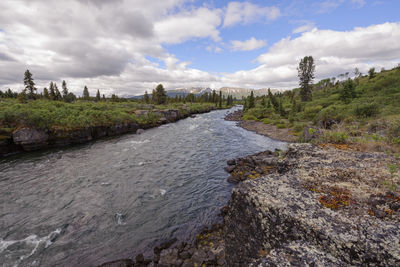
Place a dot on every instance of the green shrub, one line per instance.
(366, 110)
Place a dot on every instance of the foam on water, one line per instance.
(31, 241)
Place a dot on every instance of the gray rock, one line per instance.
(288, 212)
(169, 257)
(30, 138)
(139, 131)
(310, 133)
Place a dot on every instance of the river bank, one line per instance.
(307, 205)
(269, 130)
(31, 138)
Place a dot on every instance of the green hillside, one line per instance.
(363, 111)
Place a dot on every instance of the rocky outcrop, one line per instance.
(30, 138)
(323, 207)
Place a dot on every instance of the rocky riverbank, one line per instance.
(307, 206)
(30, 138)
(258, 127)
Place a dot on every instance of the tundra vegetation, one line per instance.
(55, 109)
(361, 111)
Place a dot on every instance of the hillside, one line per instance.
(366, 115)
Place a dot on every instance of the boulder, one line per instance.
(30, 138)
(310, 133)
(139, 131)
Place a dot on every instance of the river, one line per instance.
(114, 198)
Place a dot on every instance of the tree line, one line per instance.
(160, 97)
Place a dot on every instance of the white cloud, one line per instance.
(335, 52)
(248, 45)
(101, 44)
(238, 12)
(330, 5)
(304, 28)
(198, 23)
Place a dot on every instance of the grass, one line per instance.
(371, 119)
(45, 114)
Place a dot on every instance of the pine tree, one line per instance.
(29, 85)
(46, 93)
(64, 90)
(263, 104)
(214, 96)
(146, 97)
(161, 95)
(348, 91)
(57, 92)
(220, 99)
(98, 95)
(86, 93)
(251, 100)
(306, 71)
(104, 97)
(52, 94)
(371, 73)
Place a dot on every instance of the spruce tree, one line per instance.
(220, 99)
(306, 71)
(52, 94)
(371, 73)
(29, 85)
(64, 90)
(22, 97)
(146, 97)
(348, 91)
(86, 93)
(57, 92)
(251, 100)
(46, 93)
(161, 94)
(98, 95)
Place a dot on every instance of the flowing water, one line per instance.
(112, 198)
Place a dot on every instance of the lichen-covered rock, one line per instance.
(316, 207)
(30, 138)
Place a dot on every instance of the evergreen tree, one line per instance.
(57, 92)
(86, 93)
(154, 97)
(161, 95)
(52, 94)
(98, 95)
(214, 96)
(146, 97)
(220, 99)
(1, 94)
(46, 93)
(251, 100)
(64, 90)
(245, 105)
(273, 100)
(104, 97)
(306, 71)
(263, 103)
(29, 85)
(348, 91)
(371, 73)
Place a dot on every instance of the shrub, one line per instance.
(311, 112)
(366, 110)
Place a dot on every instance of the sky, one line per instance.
(129, 46)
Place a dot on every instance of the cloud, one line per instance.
(335, 52)
(330, 5)
(248, 45)
(199, 23)
(238, 12)
(102, 44)
(304, 28)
